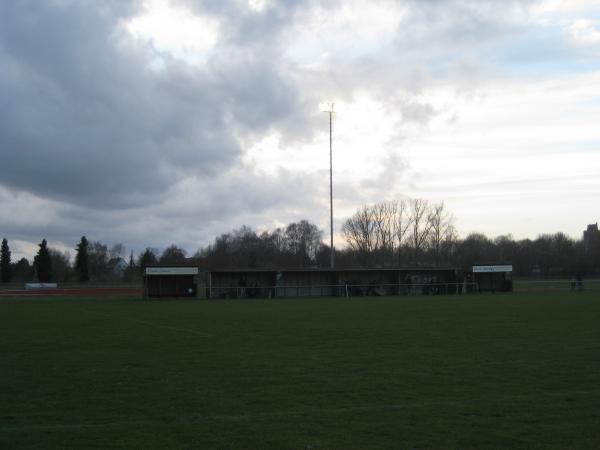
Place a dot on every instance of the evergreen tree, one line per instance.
(43, 263)
(81, 260)
(148, 257)
(129, 273)
(5, 268)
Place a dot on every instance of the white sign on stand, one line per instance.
(492, 269)
(41, 285)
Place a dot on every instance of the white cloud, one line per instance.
(353, 30)
(561, 7)
(513, 152)
(175, 30)
(585, 32)
(259, 6)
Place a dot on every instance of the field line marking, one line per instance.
(194, 418)
(151, 324)
(169, 327)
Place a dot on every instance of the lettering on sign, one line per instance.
(505, 268)
(171, 271)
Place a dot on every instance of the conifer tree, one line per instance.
(43, 263)
(129, 272)
(81, 260)
(148, 257)
(5, 268)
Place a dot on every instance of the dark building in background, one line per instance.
(191, 281)
(591, 237)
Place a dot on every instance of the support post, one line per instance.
(331, 181)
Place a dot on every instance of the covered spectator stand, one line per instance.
(493, 277)
(172, 282)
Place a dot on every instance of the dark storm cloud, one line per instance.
(198, 210)
(95, 140)
(102, 135)
(85, 108)
(87, 121)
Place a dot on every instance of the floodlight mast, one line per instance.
(330, 110)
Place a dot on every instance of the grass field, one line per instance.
(481, 371)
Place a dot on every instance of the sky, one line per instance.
(158, 122)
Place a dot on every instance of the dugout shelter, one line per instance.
(493, 277)
(174, 281)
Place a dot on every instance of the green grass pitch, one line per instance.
(480, 371)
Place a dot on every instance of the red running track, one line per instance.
(96, 292)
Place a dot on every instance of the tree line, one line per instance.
(399, 233)
(94, 261)
(296, 245)
(419, 232)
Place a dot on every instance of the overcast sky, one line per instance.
(158, 122)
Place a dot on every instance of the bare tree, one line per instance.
(360, 233)
(173, 255)
(295, 245)
(377, 232)
(98, 261)
(442, 228)
(419, 225)
(117, 251)
(450, 244)
(302, 240)
(400, 226)
(61, 265)
(384, 219)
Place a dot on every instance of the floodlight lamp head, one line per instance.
(328, 107)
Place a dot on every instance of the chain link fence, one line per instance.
(341, 290)
(555, 285)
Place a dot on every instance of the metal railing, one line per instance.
(341, 290)
(12, 286)
(555, 285)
